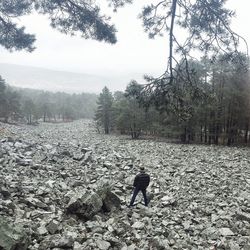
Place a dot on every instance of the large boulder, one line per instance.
(85, 205)
(12, 236)
(111, 201)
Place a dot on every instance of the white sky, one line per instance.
(134, 54)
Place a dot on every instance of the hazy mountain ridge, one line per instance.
(52, 80)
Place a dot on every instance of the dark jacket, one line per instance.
(141, 181)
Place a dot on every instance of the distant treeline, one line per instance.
(209, 104)
(33, 105)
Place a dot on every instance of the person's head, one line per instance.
(142, 169)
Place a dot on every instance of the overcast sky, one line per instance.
(134, 54)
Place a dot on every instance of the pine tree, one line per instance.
(2, 96)
(104, 113)
(68, 16)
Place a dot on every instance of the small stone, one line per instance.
(63, 242)
(168, 200)
(138, 225)
(52, 227)
(131, 247)
(102, 244)
(42, 230)
(48, 146)
(77, 246)
(243, 216)
(78, 157)
(190, 170)
(226, 231)
(5, 192)
(66, 153)
(107, 164)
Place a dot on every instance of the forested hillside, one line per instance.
(210, 104)
(29, 105)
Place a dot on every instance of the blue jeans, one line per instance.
(136, 191)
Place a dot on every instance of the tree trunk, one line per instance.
(201, 135)
(246, 133)
(216, 139)
(205, 131)
(229, 131)
(171, 39)
(184, 136)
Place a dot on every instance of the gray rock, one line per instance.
(25, 162)
(158, 244)
(168, 200)
(66, 153)
(190, 170)
(53, 226)
(243, 216)
(107, 164)
(111, 202)
(5, 192)
(63, 242)
(201, 187)
(48, 146)
(42, 230)
(210, 233)
(138, 225)
(78, 156)
(57, 241)
(31, 201)
(226, 232)
(77, 246)
(12, 236)
(85, 205)
(102, 244)
(130, 247)
(87, 157)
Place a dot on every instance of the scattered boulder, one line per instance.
(53, 226)
(103, 245)
(138, 225)
(226, 232)
(12, 236)
(57, 241)
(243, 216)
(85, 205)
(5, 192)
(90, 203)
(111, 202)
(195, 191)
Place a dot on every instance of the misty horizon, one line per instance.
(39, 78)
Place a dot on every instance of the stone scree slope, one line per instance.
(64, 186)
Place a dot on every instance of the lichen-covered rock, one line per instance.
(52, 226)
(12, 237)
(57, 241)
(85, 205)
(111, 202)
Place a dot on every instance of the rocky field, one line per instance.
(64, 186)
